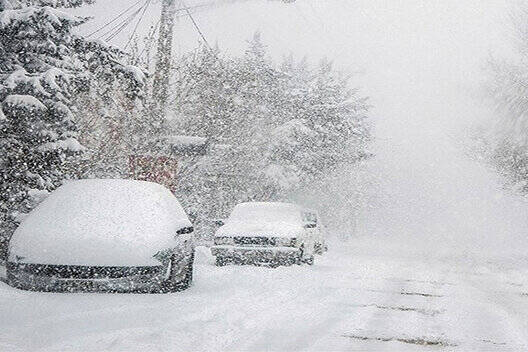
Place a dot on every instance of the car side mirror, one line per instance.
(219, 222)
(310, 225)
(185, 230)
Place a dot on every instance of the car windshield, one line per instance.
(266, 213)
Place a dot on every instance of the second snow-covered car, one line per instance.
(269, 233)
(104, 235)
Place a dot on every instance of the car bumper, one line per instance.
(141, 283)
(257, 255)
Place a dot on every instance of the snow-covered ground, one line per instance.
(358, 297)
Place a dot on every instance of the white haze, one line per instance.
(421, 63)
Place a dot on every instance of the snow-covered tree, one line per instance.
(44, 68)
(274, 129)
(508, 86)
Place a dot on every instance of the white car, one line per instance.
(104, 235)
(269, 233)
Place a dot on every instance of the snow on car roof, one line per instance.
(100, 222)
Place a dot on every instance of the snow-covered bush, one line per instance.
(44, 69)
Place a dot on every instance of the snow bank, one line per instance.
(100, 222)
(272, 219)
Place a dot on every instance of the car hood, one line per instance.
(267, 229)
(93, 252)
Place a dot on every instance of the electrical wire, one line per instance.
(149, 45)
(196, 25)
(117, 26)
(137, 24)
(112, 33)
(113, 20)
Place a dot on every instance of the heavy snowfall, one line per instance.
(401, 125)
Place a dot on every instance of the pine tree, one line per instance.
(44, 67)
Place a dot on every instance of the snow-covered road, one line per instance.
(356, 298)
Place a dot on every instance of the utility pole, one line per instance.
(160, 85)
(149, 163)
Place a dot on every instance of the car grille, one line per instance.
(84, 272)
(255, 241)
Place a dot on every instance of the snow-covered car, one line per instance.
(104, 236)
(312, 216)
(269, 233)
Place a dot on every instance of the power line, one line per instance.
(196, 25)
(137, 24)
(116, 30)
(149, 45)
(117, 26)
(112, 33)
(113, 20)
(181, 9)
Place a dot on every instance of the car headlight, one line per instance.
(285, 242)
(223, 240)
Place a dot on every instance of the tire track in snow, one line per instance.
(403, 317)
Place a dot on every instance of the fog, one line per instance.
(421, 63)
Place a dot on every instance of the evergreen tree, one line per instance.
(44, 68)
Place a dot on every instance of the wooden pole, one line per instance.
(160, 84)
